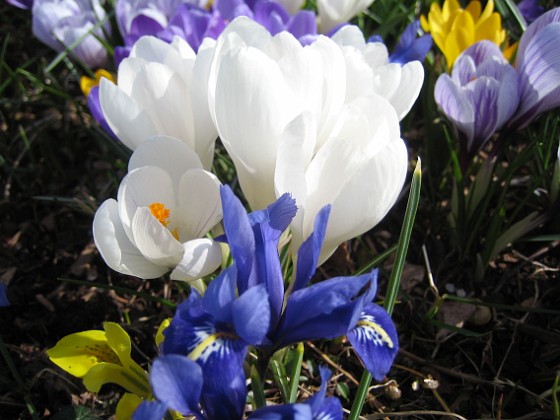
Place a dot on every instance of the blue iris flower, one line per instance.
(409, 47)
(177, 384)
(247, 305)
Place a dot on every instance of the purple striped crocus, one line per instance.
(479, 97)
(538, 66)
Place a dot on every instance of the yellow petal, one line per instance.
(107, 75)
(424, 23)
(474, 8)
(78, 353)
(491, 29)
(119, 340)
(105, 373)
(488, 10)
(127, 406)
(509, 51)
(450, 6)
(88, 83)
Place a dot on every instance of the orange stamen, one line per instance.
(160, 212)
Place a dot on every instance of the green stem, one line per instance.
(394, 281)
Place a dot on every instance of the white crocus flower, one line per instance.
(291, 120)
(165, 206)
(162, 90)
(258, 84)
(335, 12)
(368, 71)
(359, 170)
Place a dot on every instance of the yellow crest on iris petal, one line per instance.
(454, 29)
(100, 357)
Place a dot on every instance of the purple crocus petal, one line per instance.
(239, 236)
(299, 411)
(303, 24)
(121, 52)
(375, 340)
(144, 25)
(464, 70)
(309, 251)
(230, 9)
(4, 296)
(96, 111)
(150, 410)
(453, 102)
(530, 9)
(251, 315)
(324, 310)
(483, 94)
(23, 4)
(308, 39)
(177, 382)
(539, 74)
(552, 16)
(271, 15)
(189, 23)
(482, 51)
(219, 296)
(508, 94)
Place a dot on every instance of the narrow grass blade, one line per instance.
(394, 281)
(279, 374)
(296, 371)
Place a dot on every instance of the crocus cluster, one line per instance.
(313, 131)
(485, 93)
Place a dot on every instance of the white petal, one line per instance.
(204, 127)
(412, 77)
(333, 12)
(114, 246)
(161, 92)
(294, 155)
(252, 108)
(200, 206)
(359, 75)
(200, 258)
(350, 35)
(367, 196)
(167, 153)
(131, 124)
(154, 240)
(140, 188)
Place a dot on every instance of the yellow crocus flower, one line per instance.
(454, 29)
(88, 83)
(100, 357)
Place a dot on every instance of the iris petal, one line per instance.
(375, 340)
(177, 382)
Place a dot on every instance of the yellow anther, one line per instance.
(160, 212)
